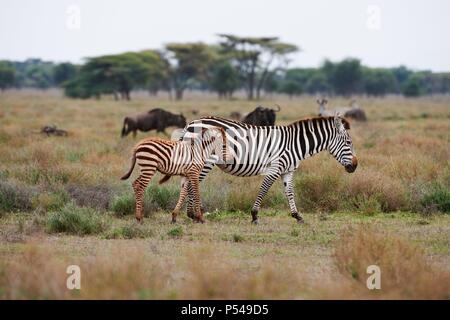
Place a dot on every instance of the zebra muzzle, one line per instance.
(352, 167)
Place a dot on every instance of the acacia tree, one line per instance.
(224, 79)
(63, 72)
(116, 74)
(256, 59)
(188, 61)
(345, 76)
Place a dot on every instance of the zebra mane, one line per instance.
(306, 119)
(310, 119)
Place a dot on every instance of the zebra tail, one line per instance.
(133, 163)
(165, 178)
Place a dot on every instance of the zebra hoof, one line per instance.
(300, 220)
(255, 222)
(174, 221)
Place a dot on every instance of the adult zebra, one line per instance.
(274, 151)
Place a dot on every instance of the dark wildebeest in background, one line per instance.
(261, 116)
(52, 130)
(156, 119)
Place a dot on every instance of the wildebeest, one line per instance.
(52, 130)
(355, 112)
(155, 119)
(261, 116)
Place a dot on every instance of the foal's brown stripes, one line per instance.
(185, 158)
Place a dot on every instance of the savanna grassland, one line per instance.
(62, 203)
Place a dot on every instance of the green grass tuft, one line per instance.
(438, 198)
(75, 220)
(123, 205)
(175, 232)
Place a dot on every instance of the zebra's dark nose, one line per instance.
(352, 167)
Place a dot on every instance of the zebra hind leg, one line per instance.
(195, 194)
(265, 186)
(139, 186)
(289, 192)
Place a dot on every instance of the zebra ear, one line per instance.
(339, 122)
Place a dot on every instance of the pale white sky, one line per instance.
(380, 33)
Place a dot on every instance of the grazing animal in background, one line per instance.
(156, 119)
(52, 130)
(275, 152)
(261, 116)
(353, 112)
(236, 115)
(322, 111)
(185, 158)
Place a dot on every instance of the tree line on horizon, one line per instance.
(257, 65)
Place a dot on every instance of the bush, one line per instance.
(123, 205)
(50, 201)
(75, 220)
(438, 198)
(243, 197)
(160, 198)
(97, 197)
(319, 192)
(370, 191)
(14, 197)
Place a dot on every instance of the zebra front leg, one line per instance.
(209, 165)
(289, 192)
(139, 186)
(181, 198)
(266, 184)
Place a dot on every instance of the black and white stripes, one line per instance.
(185, 158)
(275, 151)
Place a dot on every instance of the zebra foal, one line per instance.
(183, 158)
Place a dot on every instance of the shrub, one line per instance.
(243, 197)
(75, 220)
(14, 197)
(438, 198)
(123, 205)
(319, 192)
(370, 191)
(97, 197)
(160, 198)
(50, 201)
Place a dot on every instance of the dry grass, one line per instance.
(205, 271)
(405, 271)
(400, 189)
